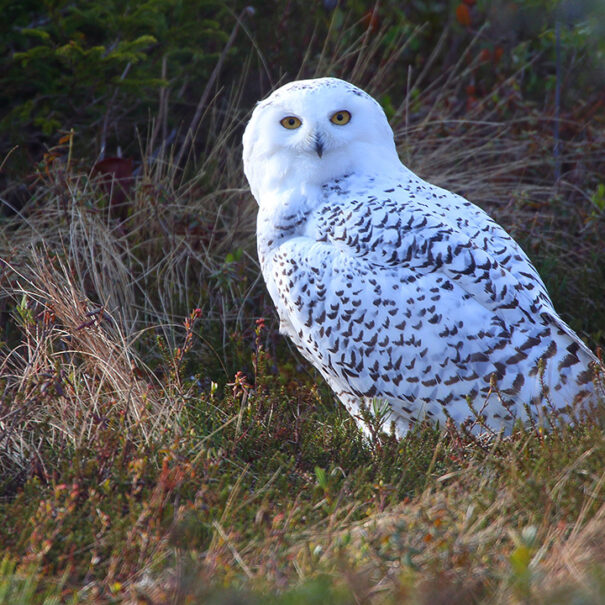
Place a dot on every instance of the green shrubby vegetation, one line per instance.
(159, 441)
(97, 66)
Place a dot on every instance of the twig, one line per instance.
(232, 548)
(160, 122)
(557, 147)
(108, 113)
(10, 152)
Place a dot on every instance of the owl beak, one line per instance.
(319, 145)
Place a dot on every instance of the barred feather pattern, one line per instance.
(398, 290)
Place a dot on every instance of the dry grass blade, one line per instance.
(74, 369)
(575, 561)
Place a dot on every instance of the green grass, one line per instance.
(266, 486)
(161, 443)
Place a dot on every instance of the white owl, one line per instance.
(393, 288)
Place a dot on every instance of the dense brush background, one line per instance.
(159, 441)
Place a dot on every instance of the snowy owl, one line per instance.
(394, 289)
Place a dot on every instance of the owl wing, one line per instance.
(419, 228)
(470, 220)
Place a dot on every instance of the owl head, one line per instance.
(309, 132)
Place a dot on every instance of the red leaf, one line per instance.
(116, 180)
(463, 15)
(120, 168)
(484, 55)
(370, 20)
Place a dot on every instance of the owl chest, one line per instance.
(289, 217)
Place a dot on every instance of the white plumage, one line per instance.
(395, 289)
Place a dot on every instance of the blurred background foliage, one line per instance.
(104, 68)
(99, 65)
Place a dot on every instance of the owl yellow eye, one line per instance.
(341, 117)
(290, 122)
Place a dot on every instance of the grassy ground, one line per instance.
(161, 443)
